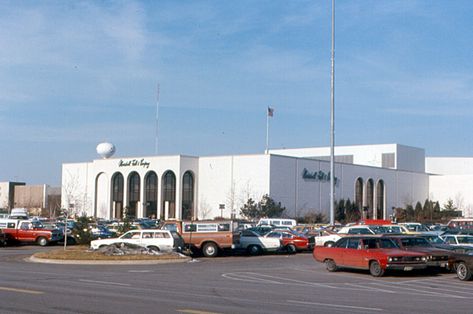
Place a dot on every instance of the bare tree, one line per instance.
(77, 201)
(204, 209)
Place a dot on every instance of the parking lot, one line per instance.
(277, 283)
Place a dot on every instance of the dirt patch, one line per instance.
(83, 253)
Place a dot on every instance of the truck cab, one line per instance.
(208, 236)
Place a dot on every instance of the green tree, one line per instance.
(82, 232)
(410, 213)
(269, 208)
(418, 212)
(250, 210)
(340, 211)
(266, 208)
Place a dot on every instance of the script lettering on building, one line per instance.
(317, 176)
(134, 163)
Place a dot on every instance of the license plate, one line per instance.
(407, 268)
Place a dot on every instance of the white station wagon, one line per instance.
(153, 239)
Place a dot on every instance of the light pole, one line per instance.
(332, 121)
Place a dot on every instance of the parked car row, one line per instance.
(380, 253)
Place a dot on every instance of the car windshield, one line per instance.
(379, 244)
(465, 240)
(435, 240)
(379, 229)
(415, 242)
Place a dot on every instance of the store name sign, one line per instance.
(134, 163)
(317, 176)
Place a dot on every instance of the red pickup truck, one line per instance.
(24, 231)
(375, 253)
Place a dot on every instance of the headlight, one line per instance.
(429, 257)
(390, 259)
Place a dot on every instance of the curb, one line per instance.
(33, 259)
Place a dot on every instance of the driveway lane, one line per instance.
(265, 284)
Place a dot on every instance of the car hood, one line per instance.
(428, 250)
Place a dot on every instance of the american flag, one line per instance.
(270, 111)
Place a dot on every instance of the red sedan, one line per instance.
(375, 253)
(290, 241)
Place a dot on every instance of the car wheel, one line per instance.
(254, 249)
(291, 248)
(375, 269)
(330, 265)
(42, 241)
(210, 249)
(329, 243)
(463, 272)
(153, 249)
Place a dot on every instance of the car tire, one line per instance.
(210, 249)
(375, 269)
(42, 241)
(329, 243)
(254, 250)
(291, 249)
(153, 249)
(330, 265)
(463, 272)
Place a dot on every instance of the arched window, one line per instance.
(187, 195)
(369, 198)
(169, 194)
(359, 193)
(151, 195)
(380, 200)
(133, 194)
(117, 195)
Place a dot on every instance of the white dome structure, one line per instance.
(105, 150)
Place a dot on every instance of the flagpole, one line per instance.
(267, 132)
(156, 131)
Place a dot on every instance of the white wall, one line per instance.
(458, 188)
(4, 194)
(231, 180)
(406, 157)
(301, 195)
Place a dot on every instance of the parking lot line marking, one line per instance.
(105, 282)
(421, 291)
(140, 271)
(21, 290)
(337, 305)
(195, 311)
(366, 288)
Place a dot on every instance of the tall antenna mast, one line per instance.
(157, 112)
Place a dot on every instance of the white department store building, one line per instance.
(376, 177)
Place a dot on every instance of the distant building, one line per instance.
(38, 199)
(7, 194)
(377, 178)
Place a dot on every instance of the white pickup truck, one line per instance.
(255, 244)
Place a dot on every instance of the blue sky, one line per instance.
(74, 74)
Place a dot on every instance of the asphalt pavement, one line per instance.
(231, 284)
